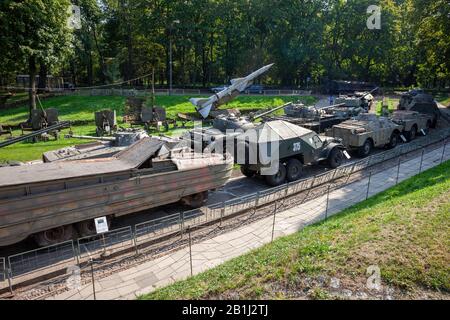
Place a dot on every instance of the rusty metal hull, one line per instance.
(31, 208)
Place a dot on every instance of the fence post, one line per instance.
(368, 185)
(256, 203)
(443, 151)
(75, 251)
(9, 276)
(273, 224)
(93, 279)
(222, 213)
(328, 199)
(398, 169)
(135, 241)
(421, 160)
(190, 250)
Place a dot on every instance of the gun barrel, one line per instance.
(270, 111)
(333, 106)
(91, 138)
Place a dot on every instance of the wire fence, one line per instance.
(308, 200)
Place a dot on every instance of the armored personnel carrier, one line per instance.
(413, 123)
(365, 132)
(278, 150)
(55, 201)
(418, 100)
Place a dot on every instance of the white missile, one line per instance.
(205, 105)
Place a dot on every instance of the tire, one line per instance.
(86, 228)
(365, 149)
(393, 141)
(335, 158)
(247, 172)
(54, 236)
(293, 170)
(277, 179)
(196, 200)
(412, 134)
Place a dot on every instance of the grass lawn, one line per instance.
(75, 108)
(404, 231)
(445, 100)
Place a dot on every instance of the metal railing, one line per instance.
(151, 231)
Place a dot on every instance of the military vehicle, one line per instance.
(417, 100)
(56, 201)
(365, 132)
(106, 122)
(364, 100)
(278, 150)
(413, 123)
(313, 118)
(102, 147)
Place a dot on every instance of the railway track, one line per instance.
(241, 186)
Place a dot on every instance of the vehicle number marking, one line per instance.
(346, 154)
(296, 146)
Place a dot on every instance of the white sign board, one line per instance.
(346, 154)
(101, 225)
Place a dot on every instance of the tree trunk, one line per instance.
(32, 89)
(42, 85)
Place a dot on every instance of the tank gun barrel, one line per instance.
(257, 116)
(333, 106)
(371, 91)
(91, 138)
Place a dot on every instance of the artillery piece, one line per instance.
(364, 100)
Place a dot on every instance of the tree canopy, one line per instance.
(310, 41)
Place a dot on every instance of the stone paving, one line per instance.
(207, 254)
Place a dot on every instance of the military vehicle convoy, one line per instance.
(419, 101)
(56, 201)
(365, 132)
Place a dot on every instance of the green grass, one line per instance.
(403, 230)
(82, 108)
(445, 100)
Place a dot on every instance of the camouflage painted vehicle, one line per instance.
(364, 100)
(57, 201)
(278, 150)
(365, 132)
(418, 100)
(413, 123)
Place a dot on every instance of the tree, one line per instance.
(34, 32)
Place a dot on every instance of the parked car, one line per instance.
(255, 89)
(218, 89)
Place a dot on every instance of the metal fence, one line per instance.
(2, 269)
(48, 257)
(288, 195)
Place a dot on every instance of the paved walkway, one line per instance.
(146, 277)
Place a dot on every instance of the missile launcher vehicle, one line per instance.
(419, 101)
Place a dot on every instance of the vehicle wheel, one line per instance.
(277, 179)
(86, 228)
(393, 141)
(365, 149)
(247, 172)
(293, 170)
(434, 123)
(54, 236)
(335, 158)
(412, 134)
(196, 200)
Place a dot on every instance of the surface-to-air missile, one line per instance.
(418, 100)
(364, 100)
(205, 105)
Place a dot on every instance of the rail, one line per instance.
(157, 230)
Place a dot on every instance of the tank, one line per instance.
(418, 100)
(101, 147)
(53, 201)
(365, 132)
(364, 100)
